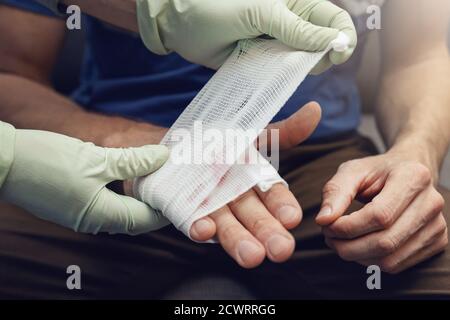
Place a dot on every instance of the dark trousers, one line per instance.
(34, 254)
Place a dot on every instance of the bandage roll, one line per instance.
(242, 97)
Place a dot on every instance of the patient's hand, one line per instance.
(255, 225)
(402, 223)
(138, 135)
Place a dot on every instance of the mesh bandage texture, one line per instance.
(244, 94)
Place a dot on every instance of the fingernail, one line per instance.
(201, 227)
(324, 212)
(247, 250)
(287, 214)
(278, 244)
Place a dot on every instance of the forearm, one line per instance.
(414, 108)
(121, 13)
(27, 104)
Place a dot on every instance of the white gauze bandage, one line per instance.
(243, 96)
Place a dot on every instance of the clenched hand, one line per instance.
(402, 223)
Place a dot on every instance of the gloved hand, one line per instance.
(62, 179)
(206, 31)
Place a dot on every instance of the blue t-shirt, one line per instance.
(120, 76)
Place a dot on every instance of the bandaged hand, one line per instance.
(255, 225)
(63, 180)
(206, 31)
(242, 97)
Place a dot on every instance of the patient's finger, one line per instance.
(236, 240)
(254, 216)
(425, 206)
(426, 243)
(203, 229)
(282, 204)
(412, 224)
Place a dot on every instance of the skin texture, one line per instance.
(400, 226)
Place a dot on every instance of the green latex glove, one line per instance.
(206, 31)
(62, 179)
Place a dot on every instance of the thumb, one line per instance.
(113, 213)
(298, 127)
(286, 26)
(124, 164)
(338, 193)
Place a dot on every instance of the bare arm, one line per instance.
(27, 55)
(402, 222)
(414, 99)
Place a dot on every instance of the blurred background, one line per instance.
(368, 82)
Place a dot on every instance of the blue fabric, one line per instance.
(120, 76)
(28, 5)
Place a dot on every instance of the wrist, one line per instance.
(415, 148)
(133, 134)
(106, 130)
(99, 129)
